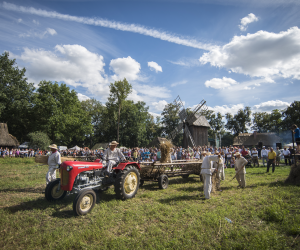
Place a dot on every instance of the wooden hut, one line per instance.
(256, 139)
(198, 127)
(6, 139)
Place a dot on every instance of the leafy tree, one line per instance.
(59, 114)
(170, 120)
(15, 98)
(265, 122)
(239, 122)
(39, 140)
(119, 91)
(216, 124)
(95, 110)
(291, 115)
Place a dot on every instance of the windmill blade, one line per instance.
(180, 110)
(189, 135)
(192, 118)
(176, 131)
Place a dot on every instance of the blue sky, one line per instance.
(231, 53)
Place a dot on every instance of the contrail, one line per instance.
(113, 25)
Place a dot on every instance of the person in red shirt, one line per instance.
(244, 152)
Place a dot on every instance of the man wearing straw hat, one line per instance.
(239, 166)
(54, 159)
(206, 172)
(112, 155)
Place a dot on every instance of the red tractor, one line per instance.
(86, 178)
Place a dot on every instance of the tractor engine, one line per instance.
(91, 179)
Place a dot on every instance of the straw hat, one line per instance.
(238, 153)
(113, 143)
(208, 153)
(53, 146)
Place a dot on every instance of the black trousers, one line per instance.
(271, 162)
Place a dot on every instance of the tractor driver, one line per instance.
(111, 156)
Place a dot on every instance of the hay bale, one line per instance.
(294, 176)
(166, 148)
(67, 159)
(41, 159)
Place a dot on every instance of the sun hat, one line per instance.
(113, 143)
(53, 146)
(238, 153)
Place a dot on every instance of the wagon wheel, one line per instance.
(163, 181)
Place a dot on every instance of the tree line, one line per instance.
(52, 112)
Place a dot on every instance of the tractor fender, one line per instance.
(122, 165)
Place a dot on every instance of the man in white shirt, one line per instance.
(206, 172)
(54, 160)
(111, 156)
(264, 155)
(286, 154)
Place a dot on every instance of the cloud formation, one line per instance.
(159, 106)
(270, 105)
(154, 66)
(263, 54)
(246, 20)
(179, 83)
(40, 35)
(125, 67)
(82, 97)
(165, 36)
(73, 64)
(218, 83)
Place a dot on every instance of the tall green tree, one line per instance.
(291, 115)
(239, 122)
(59, 113)
(267, 122)
(16, 97)
(119, 91)
(39, 140)
(95, 110)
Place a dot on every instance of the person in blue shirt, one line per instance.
(296, 132)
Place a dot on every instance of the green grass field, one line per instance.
(265, 215)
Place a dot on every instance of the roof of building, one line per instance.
(199, 120)
(254, 139)
(6, 139)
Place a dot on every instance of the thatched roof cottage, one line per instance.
(6, 139)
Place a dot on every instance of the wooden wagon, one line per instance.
(161, 172)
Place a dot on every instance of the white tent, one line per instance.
(75, 148)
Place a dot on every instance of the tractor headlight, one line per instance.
(69, 168)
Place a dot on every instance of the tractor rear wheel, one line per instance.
(163, 181)
(51, 192)
(127, 182)
(84, 202)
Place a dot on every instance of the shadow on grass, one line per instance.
(180, 199)
(24, 190)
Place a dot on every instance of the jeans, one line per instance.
(265, 158)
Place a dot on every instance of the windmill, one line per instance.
(186, 119)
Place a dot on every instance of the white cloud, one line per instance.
(218, 83)
(159, 106)
(73, 64)
(152, 91)
(232, 109)
(270, 105)
(165, 36)
(19, 20)
(40, 35)
(246, 20)
(155, 115)
(179, 83)
(135, 97)
(154, 66)
(186, 62)
(263, 54)
(36, 22)
(247, 88)
(82, 97)
(125, 67)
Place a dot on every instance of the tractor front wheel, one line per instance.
(127, 183)
(53, 191)
(84, 202)
(163, 181)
